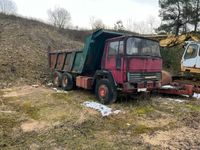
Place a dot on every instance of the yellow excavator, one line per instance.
(190, 63)
(188, 82)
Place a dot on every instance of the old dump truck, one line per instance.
(108, 63)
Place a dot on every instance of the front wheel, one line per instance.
(105, 91)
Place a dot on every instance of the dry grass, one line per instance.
(43, 119)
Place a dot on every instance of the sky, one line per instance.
(109, 11)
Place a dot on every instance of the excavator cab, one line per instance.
(190, 62)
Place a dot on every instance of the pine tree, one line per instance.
(187, 9)
(171, 14)
(195, 15)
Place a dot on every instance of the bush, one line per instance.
(172, 59)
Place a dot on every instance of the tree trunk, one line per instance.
(185, 28)
(177, 30)
(178, 19)
(195, 26)
(196, 17)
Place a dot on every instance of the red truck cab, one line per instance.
(134, 62)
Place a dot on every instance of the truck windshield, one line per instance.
(142, 47)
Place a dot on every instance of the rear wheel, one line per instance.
(67, 82)
(57, 79)
(105, 91)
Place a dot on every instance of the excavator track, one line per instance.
(195, 82)
(190, 82)
(179, 85)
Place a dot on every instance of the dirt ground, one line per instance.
(43, 118)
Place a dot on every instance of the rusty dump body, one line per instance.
(85, 61)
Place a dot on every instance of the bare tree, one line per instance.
(59, 17)
(143, 27)
(130, 24)
(8, 7)
(138, 27)
(152, 24)
(119, 25)
(96, 23)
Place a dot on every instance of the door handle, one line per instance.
(118, 62)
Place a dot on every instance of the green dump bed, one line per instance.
(85, 61)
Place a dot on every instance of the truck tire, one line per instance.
(67, 82)
(105, 91)
(57, 79)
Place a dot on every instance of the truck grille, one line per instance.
(146, 76)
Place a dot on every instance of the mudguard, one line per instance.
(104, 74)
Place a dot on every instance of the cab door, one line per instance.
(198, 58)
(191, 56)
(114, 60)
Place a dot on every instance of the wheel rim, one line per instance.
(65, 81)
(56, 80)
(103, 90)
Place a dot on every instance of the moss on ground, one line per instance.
(143, 110)
(7, 123)
(31, 110)
(140, 129)
(193, 107)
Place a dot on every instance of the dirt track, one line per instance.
(41, 118)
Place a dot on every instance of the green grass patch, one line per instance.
(143, 110)
(7, 121)
(59, 96)
(193, 107)
(23, 106)
(141, 129)
(30, 110)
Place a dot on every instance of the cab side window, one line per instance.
(191, 51)
(113, 48)
(121, 47)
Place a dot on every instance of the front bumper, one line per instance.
(141, 86)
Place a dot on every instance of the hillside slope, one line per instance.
(23, 48)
